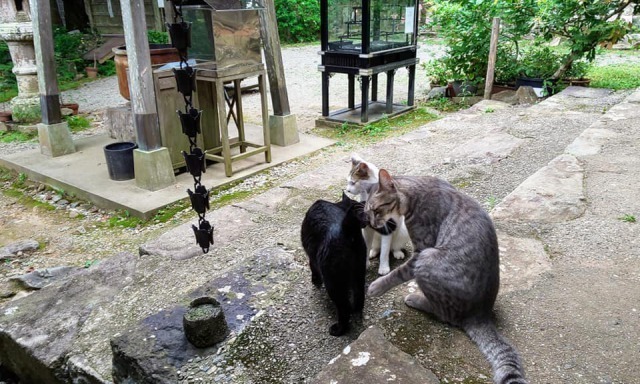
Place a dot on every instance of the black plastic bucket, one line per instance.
(120, 160)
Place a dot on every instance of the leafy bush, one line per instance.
(539, 61)
(68, 49)
(466, 28)
(157, 37)
(7, 78)
(298, 20)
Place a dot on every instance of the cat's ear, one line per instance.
(355, 159)
(363, 169)
(345, 198)
(385, 180)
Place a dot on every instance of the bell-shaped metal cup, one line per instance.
(195, 162)
(180, 35)
(185, 80)
(190, 122)
(204, 235)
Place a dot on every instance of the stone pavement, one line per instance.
(557, 176)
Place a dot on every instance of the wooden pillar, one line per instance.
(273, 59)
(53, 133)
(364, 106)
(45, 61)
(143, 102)
(152, 162)
(390, 79)
(282, 124)
(493, 52)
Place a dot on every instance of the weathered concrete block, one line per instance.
(283, 130)
(55, 139)
(119, 124)
(153, 169)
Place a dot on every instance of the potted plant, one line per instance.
(536, 68)
(437, 73)
(92, 72)
(576, 74)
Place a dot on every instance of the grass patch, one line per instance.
(615, 76)
(77, 123)
(445, 104)
(124, 219)
(384, 128)
(8, 94)
(15, 136)
(628, 218)
(27, 201)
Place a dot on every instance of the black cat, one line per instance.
(332, 238)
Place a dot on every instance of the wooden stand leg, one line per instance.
(262, 85)
(224, 129)
(364, 107)
(238, 96)
(325, 94)
(374, 87)
(352, 97)
(390, 78)
(412, 83)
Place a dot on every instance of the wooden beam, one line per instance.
(143, 102)
(273, 59)
(45, 61)
(493, 51)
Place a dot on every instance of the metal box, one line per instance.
(224, 32)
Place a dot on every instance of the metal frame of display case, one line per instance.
(367, 64)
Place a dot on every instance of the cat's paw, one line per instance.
(383, 270)
(373, 253)
(398, 255)
(376, 288)
(337, 329)
(417, 301)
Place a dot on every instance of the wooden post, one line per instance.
(273, 59)
(45, 61)
(493, 51)
(143, 102)
(152, 162)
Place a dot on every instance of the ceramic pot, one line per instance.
(160, 54)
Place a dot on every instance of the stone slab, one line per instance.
(40, 278)
(490, 148)
(373, 359)
(37, 332)
(590, 141)
(555, 193)
(522, 261)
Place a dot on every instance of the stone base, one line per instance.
(283, 130)
(55, 139)
(153, 169)
(26, 109)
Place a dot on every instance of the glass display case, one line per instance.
(226, 32)
(390, 25)
(364, 38)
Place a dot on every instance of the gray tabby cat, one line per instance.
(363, 178)
(456, 264)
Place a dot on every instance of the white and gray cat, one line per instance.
(455, 263)
(362, 180)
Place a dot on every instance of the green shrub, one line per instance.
(7, 78)
(157, 37)
(68, 49)
(298, 20)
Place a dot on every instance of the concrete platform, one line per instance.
(85, 174)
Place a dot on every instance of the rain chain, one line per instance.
(180, 32)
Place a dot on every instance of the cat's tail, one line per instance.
(504, 359)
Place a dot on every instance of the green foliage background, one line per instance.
(298, 20)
